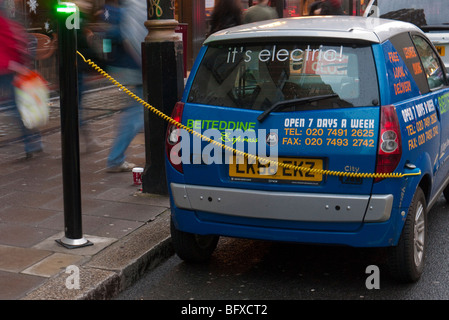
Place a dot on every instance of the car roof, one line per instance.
(340, 27)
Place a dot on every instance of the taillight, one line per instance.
(390, 148)
(173, 138)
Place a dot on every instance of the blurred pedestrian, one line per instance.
(259, 12)
(331, 7)
(126, 68)
(226, 14)
(315, 8)
(86, 8)
(14, 57)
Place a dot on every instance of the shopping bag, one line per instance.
(32, 96)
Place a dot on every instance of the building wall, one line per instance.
(37, 18)
(196, 14)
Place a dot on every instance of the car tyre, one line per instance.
(192, 247)
(406, 260)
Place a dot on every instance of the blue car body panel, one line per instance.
(345, 139)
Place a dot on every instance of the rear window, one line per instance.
(419, 12)
(256, 76)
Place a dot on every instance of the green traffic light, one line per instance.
(66, 7)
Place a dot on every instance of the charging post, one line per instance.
(68, 22)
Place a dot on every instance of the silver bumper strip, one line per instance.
(291, 206)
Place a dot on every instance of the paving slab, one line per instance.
(129, 231)
(15, 259)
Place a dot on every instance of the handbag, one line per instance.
(31, 95)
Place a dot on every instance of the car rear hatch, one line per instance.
(309, 104)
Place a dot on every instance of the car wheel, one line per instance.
(192, 247)
(407, 258)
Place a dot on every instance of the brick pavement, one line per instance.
(124, 225)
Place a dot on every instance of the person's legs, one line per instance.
(31, 138)
(90, 141)
(130, 123)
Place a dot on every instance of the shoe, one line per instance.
(93, 146)
(29, 155)
(124, 167)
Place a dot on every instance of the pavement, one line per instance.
(128, 229)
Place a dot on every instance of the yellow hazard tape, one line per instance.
(238, 152)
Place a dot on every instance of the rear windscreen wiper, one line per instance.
(290, 103)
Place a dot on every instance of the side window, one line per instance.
(407, 51)
(430, 62)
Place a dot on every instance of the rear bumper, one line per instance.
(287, 206)
(307, 218)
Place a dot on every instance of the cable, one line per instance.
(238, 152)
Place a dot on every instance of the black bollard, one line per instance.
(163, 83)
(68, 20)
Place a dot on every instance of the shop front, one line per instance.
(193, 16)
(38, 18)
(196, 15)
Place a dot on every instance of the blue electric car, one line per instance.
(324, 130)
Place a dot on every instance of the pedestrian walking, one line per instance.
(13, 59)
(226, 14)
(259, 12)
(125, 67)
(315, 8)
(86, 8)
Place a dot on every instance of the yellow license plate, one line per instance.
(249, 171)
(441, 50)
